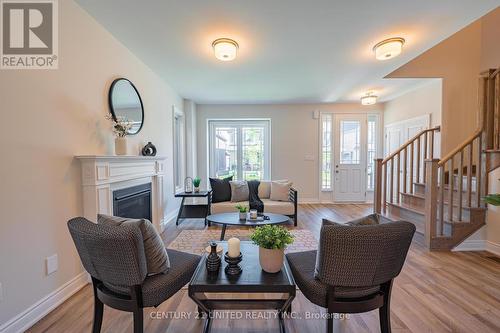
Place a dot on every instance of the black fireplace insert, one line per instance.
(133, 202)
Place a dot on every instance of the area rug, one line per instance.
(195, 241)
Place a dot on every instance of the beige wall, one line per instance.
(294, 134)
(457, 61)
(490, 58)
(48, 117)
(424, 100)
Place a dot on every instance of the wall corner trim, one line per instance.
(40, 309)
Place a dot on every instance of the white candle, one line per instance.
(233, 245)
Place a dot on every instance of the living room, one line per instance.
(305, 118)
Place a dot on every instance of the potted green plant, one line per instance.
(272, 241)
(493, 199)
(196, 184)
(243, 211)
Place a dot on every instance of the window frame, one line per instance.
(212, 124)
(179, 141)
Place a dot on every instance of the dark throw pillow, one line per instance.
(221, 189)
(156, 255)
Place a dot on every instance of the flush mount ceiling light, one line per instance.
(369, 99)
(388, 48)
(225, 49)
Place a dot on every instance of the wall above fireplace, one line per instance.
(103, 175)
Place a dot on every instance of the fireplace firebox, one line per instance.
(133, 202)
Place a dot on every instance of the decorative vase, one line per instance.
(271, 261)
(149, 150)
(243, 216)
(196, 189)
(213, 260)
(121, 145)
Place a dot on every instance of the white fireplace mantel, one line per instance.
(101, 175)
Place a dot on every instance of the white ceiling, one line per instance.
(291, 51)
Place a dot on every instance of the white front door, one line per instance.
(350, 157)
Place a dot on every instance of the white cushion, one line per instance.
(265, 189)
(278, 207)
(280, 190)
(226, 207)
(239, 190)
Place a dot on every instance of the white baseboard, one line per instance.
(170, 217)
(40, 309)
(478, 245)
(493, 248)
(308, 200)
(471, 245)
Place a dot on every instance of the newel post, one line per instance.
(377, 195)
(431, 198)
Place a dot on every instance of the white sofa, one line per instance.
(288, 208)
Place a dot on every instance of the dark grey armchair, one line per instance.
(354, 267)
(114, 257)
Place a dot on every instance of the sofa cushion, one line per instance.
(224, 207)
(280, 190)
(157, 260)
(221, 190)
(239, 190)
(265, 189)
(278, 207)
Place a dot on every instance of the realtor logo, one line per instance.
(29, 34)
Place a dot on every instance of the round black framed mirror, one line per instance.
(125, 104)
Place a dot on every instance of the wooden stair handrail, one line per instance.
(409, 142)
(461, 147)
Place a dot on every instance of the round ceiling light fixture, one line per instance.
(225, 49)
(369, 99)
(388, 48)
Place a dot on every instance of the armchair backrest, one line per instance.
(112, 254)
(362, 255)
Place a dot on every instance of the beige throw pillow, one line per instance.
(265, 189)
(156, 255)
(280, 190)
(239, 190)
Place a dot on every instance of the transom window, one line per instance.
(239, 148)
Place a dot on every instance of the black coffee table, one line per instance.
(233, 219)
(205, 288)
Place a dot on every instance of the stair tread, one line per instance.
(445, 202)
(408, 207)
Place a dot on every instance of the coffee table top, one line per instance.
(251, 279)
(234, 219)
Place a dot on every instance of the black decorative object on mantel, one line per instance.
(233, 268)
(149, 150)
(213, 259)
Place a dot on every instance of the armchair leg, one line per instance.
(98, 311)
(385, 311)
(329, 323)
(138, 321)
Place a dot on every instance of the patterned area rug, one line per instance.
(195, 241)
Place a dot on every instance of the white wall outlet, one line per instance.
(51, 264)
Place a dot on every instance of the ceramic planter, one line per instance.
(196, 189)
(271, 261)
(121, 145)
(243, 216)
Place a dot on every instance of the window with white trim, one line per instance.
(239, 148)
(179, 149)
(326, 151)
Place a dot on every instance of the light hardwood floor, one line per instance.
(435, 292)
